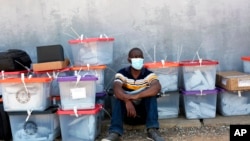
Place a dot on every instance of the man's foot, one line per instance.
(154, 135)
(112, 137)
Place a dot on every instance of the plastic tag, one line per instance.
(30, 76)
(81, 37)
(239, 93)
(88, 66)
(75, 73)
(29, 114)
(78, 78)
(103, 35)
(163, 63)
(2, 74)
(54, 101)
(78, 93)
(96, 74)
(22, 78)
(75, 111)
(200, 61)
(54, 74)
(48, 75)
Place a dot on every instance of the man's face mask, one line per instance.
(137, 63)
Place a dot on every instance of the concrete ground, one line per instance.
(217, 129)
(182, 129)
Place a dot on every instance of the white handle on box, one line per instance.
(75, 111)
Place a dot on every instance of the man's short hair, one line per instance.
(134, 49)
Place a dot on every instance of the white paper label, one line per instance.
(224, 81)
(78, 93)
(243, 83)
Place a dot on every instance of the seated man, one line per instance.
(135, 89)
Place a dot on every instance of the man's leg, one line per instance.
(116, 127)
(140, 118)
(118, 110)
(152, 112)
(152, 123)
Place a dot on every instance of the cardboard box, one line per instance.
(51, 65)
(233, 80)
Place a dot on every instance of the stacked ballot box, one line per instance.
(12, 74)
(200, 104)
(234, 93)
(233, 80)
(81, 125)
(79, 112)
(92, 51)
(36, 126)
(97, 71)
(246, 63)
(77, 92)
(22, 94)
(168, 105)
(235, 103)
(54, 74)
(100, 99)
(26, 100)
(198, 74)
(167, 73)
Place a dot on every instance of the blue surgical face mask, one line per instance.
(137, 63)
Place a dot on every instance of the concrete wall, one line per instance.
(217, 29)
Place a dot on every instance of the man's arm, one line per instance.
(119, 92)
(152, 90)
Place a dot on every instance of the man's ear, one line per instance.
(129, 60)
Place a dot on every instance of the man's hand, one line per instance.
(131, 97)
(134, 97)
(131, 112)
